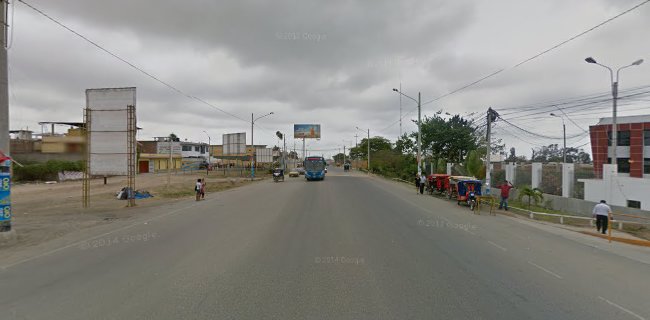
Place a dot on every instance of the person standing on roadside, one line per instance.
(602, 212)
(197, 189)
(423, 182)
(203, 189)
(505, 194)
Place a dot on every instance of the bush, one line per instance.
(45, 171)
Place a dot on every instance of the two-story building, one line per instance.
(629, 184)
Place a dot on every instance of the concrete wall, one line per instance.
(574, 206)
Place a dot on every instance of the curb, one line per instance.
(8, 238)
(642, 243)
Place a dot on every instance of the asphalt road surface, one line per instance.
(348, 247)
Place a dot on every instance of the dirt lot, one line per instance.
(42, 212)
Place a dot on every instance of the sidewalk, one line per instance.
(616, 235)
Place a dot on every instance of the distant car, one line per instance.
(294, 173)
(301, 171)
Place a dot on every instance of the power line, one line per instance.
(130, 64)
(534, 56)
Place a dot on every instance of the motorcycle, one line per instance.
(278, 175)
(471, 200)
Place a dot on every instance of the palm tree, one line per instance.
(533, 194)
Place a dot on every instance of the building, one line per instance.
(627, 183)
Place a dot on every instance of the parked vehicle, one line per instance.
(440, 182)
(294, 173)
(468, 192)
(452, 187)
(346, 167)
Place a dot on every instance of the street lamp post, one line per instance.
(564, 135)
(614, 81)
(253, 143)
(209, 153)
(418, 101)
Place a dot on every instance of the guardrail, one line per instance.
(591, 219)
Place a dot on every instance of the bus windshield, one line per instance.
(314, 164)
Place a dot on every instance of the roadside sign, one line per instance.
(5, 194)
(309, 131)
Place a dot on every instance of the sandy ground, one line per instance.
(42, 212)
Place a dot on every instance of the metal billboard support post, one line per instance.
(131, 145)
(85, 190)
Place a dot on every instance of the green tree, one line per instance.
(376, 144)
(405, 145)
(174, 137)
(338, 158)
(475, 165)
(450, 139)
(533, 194)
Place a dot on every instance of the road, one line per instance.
(348, 247)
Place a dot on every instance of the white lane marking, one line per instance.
(95, 237)
(626, 310)
(545, 270)
(470, 232)
(498, 246)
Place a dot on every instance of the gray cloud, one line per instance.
(333, 63)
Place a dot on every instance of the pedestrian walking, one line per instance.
(417, 183)
(423, 182)
(203, 189)
(602, 212)
(197, 189)
(505, 193)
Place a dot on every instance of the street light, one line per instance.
(564, 134)
(209, 152)
(368, 148)
(418, 101)
(614, 82)
(253, 142)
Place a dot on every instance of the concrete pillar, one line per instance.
(511, 172)
(449, 165)
(610, 180)
(536, 175)
(568, 172)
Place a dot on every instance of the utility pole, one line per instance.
(252, 150)
(356, 144)
(368, 151)
(491, 117)
(419, 135)
(400, 110)
(564, 149)
(344, 155)
(4, 83)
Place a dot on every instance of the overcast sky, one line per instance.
(328, 62)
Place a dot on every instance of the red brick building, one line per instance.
(633, 147)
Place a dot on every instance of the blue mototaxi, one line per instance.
(468, 190)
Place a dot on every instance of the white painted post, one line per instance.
(449, 165)
(561, 220)
(536, 175)
(568, 171)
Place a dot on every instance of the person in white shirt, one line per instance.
(423, 182)
(602, 212)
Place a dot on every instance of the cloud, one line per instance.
(332, 63)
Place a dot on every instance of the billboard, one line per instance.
(162, 147)
(264, 155)
(309, 131)
(234, 143)
(108, 129)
